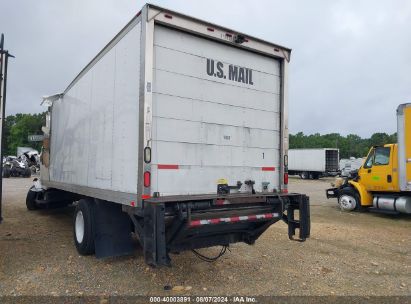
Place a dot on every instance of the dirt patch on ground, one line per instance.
(347, 254)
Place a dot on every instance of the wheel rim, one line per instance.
(79, 226)
(347, 202)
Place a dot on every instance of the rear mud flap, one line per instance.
(112, 231)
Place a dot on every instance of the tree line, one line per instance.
(350, 146)
(18, 127)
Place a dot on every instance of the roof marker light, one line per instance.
(210, 29)
(168, 16)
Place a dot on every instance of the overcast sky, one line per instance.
(350, 65)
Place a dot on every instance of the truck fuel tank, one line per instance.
(400, 204)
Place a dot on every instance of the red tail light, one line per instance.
(285, 178)
(147, 179)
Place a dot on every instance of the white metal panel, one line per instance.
(212, 127)
(173, 40)
(94, 139)
(306, 160)
(214, 92)
(404, 146)
(195, 65)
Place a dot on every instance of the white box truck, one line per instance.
(176, 131)
(313, 163)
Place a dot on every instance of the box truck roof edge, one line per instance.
(276, 49)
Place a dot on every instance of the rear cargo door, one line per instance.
(216, 115)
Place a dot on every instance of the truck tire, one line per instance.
(314, 175)
(31, 200)
(83, 227)
(27, 172)
(304, 175)
(6, 172)
(349, 200)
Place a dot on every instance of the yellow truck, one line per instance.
(384, 180)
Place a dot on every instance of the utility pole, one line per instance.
(4, 59)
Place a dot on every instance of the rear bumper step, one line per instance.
(167, 226)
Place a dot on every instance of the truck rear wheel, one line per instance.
(31, 200)
(314, 175)
(349, 200)
(83, 227)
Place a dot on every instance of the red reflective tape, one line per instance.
(167, 167)
(235, 219)
(195, 223)
(145, 196)
(268, 168)
(284, 191)
(252, 217)
(133, 204)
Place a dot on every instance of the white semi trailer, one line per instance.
(313, 163)
(176, 131)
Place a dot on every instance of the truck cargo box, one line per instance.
(208, 109)
(313, 163)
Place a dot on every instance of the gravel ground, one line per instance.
(347, 254)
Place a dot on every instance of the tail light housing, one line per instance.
(147, 179)
(285, 178)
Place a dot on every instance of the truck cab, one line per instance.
(380, 169)
(383, 182)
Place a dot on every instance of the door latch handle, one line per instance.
(389, 178)
(369, 170)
